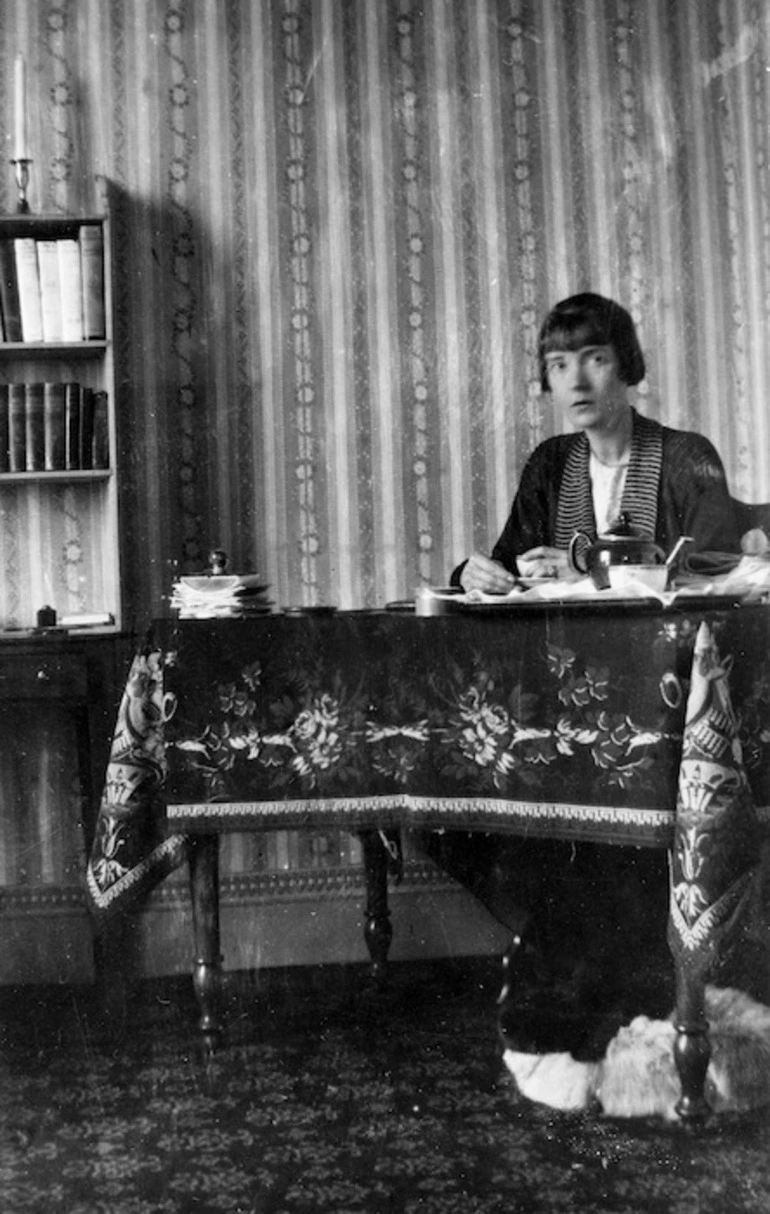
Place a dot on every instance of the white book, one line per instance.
(50, 289)
(28, 279)
(71, 284)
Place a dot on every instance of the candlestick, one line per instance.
(22, 179)
(20, 150)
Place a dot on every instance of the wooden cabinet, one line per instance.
(59, 548)
(59, 696)
(59, 543)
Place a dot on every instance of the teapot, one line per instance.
(621, 545)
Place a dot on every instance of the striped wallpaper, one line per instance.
(338, 225)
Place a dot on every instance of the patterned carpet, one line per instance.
(326, 1097)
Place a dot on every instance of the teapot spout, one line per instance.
(674, 558)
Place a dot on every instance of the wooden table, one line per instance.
(562, 722)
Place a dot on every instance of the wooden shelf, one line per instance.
(66, 475)
(14, 350)
(45, 226)
(62, 548)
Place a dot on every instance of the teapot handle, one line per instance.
(572, 552)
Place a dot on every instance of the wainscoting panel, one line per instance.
(307, 918)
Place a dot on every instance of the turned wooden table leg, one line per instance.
(692, 1049)
(378, 930)
(207, 967)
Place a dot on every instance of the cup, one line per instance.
(631, 577)
(426, 603)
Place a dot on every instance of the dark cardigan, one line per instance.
(693, 498)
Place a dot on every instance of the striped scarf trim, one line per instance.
(575, 510)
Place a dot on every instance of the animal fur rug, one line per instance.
(637, 1076)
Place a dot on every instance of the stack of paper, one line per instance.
(205, 597)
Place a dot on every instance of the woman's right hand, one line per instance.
(481, 573)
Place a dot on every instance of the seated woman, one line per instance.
(669, 483)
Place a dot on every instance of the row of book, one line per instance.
(53, 427)
(53, 289)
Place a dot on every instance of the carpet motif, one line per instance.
(327, 1101)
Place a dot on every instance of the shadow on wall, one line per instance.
(176, 418)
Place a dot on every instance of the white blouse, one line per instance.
(607, 484)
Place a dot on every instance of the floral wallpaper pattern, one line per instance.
(337, 227)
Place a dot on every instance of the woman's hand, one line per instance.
(481, 573)
(544, 562)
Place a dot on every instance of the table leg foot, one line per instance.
(378, 934)
(207, 967)
(692, 1047)
(692, 1053)
(207, 984)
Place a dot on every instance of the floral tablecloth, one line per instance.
(567, 723)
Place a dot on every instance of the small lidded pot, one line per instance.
(621, 545)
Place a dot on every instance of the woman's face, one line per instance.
(587, 385)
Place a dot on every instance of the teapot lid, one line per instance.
(623, 528)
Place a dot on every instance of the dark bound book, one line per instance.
(86, 428)
(101, 437)
(53, 426)
(35, 427)
(4, 442)
(17, 428)
(72, 426)
(9, 292)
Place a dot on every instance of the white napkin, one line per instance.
(749, 580)
(546, 590)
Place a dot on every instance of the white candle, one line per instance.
(20, 110)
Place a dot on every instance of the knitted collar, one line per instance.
(575, 511)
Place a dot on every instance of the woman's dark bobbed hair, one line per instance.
(591, 320)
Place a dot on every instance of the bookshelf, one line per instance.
(58, 487)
